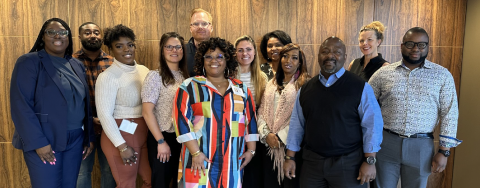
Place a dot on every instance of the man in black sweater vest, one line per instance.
(339, 121)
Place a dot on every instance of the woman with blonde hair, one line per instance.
(249, 67)
(370, 38)
(251, 75)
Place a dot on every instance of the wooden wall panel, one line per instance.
(308, 22)
(13, 170)
(25, 17)
(104, 13)
(17, 46)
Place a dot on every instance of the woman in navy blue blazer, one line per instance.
(50, 108)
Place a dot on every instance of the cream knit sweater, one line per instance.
(117, 96)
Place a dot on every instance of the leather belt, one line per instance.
(418, 135)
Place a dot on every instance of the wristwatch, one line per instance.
(289, 158)
(161, 141)
(253, 152)
(446, 153)
(370, 160)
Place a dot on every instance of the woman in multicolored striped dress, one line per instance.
(214, 118)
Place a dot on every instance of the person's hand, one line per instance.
(248, 157)
(96, 121)
(439, 162)
(289, 168)
(163, 153)
(128, 156)
(88, 150)
(197, 164)
(366, 173)
(46, 154)
(97, 127)
(272, 140)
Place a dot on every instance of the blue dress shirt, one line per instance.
(369, 111)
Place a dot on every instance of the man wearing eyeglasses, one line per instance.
(201, 28)
(95, 61)
(414, 95)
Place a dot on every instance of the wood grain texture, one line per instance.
(13, 170)
(308, 22)
(25, 17)
(444, 20)
(18, 46)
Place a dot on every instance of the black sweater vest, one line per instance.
(332, 123)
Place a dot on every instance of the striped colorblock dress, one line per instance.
(220, 124)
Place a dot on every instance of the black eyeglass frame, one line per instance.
(409, 43)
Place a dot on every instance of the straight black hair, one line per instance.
(40, 44)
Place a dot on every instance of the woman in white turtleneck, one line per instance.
(119, 108)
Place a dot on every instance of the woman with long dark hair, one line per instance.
(271, 45)
(158, 92)
(50, 108)
(275, 111)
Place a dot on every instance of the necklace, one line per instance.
(218, 84)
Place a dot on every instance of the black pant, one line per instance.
(339, 171)
(164, 174)
(270, 175)
(252, 174)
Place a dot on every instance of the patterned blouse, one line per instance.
(415, 101)
(221, 124)
(267, 69)
(153, 91)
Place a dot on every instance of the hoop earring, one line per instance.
(204, 72)
(227, 73)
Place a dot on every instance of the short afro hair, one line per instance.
(114, 33)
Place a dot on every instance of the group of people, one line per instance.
(228, 119)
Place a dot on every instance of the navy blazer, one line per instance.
(38, 106)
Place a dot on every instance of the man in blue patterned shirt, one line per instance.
(414, 95)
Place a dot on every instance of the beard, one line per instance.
(329, 71)
(91, 46)
(414, 62)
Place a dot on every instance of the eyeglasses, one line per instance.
(220, 57)
(51, 33)
(170, 47)
(200, 24)
(411, 44)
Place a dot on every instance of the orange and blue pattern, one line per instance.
(221, 124)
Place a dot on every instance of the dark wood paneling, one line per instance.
(147, 53)
(103, 13)
(17, 46)
(342, 19)
(307, 22)
(444, 20)
(25, 17)
(13, 170)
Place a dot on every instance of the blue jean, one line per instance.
(85, 175)
(64, 172)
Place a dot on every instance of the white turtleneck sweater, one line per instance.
(117, 96)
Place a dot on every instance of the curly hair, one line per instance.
(40, 44)
(114, 33)
(224, 46)
(301, 76)
(283, 37)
